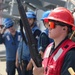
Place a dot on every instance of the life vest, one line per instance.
(53, 64)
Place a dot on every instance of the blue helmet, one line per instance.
(7, 22)
(45, 14)
(30, 14)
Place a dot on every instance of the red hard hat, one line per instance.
(62, 14)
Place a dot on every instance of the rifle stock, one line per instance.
(31, 42)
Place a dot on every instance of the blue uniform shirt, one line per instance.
(11, 44)
(23, 49)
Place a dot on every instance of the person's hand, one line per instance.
(17, 63)
(37, 70)
(29, 66)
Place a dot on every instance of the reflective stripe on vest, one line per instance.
(53, 64)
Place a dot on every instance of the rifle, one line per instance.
(31, 42)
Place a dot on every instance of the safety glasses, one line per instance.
(53, 24)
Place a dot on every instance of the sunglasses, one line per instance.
(52, 24)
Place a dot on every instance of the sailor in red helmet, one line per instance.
(60, 55)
